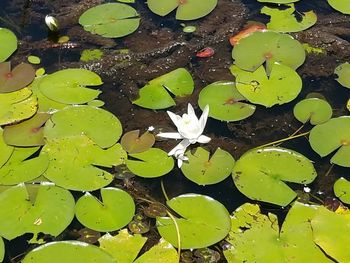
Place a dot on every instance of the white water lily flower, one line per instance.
(189, 129)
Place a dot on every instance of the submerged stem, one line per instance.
(163, 190)
(293, 134)
(329, 170)
(177, 233)
(284, 139)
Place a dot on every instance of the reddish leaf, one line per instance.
(21, 76)
(132, 143)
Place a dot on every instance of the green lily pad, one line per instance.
(315, 110)
(282, 86)
(270, 47)
(163, 252)
(110, 20)
(342, 190)
(99, 125)
(75, 161)
(224, 102)
(151, 163)
(114, 211)
(186, 9)
(34, 60)
(340, 5)
(27, 133)
(96, 103)
(8, 43)
(260, 174)
(203, 171)
(50, 213)
(68, 251)
(19, 168)
(278, 1)
(2, 249)
(155, 94)
(343, 72)
(5, 149)
(286, 21)
(17, 106)
(204, 221)
(21, 76)
(132, 142)
(68, 86)
(123, 247)
(334, 134)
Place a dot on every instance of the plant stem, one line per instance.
(293, 134)
(329, 170)
(284, 139)
(177, 233)
(163, 190)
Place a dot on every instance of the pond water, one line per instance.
(159, 46)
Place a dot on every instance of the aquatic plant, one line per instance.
(315, 110)
(8, 44)
(342, 190)
(343, 72)
(132, 142)
(340, 5)
(16, 79)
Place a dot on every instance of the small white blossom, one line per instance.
(51, 23)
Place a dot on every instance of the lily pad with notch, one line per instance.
(315, 110)
(132, 142)
(282, 86)
(185, 9)
(225, 102)
(204, 170)
(155, 95)
(110, 20)
(202, 221)
(333, 135)
(114, 211)
(340, 5)
(342, 190)
(8, 43)
(343, 72)
(260, 174)
(16, 79)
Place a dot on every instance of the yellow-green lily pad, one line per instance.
(342, 190)
(315, 110)
(343, 72)
(5, 149)
(163, 252)
(8, 43)
(2, 249)
(340, 5)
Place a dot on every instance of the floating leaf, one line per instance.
(2, 249)
(203, 171)
(5, 149)
(334, 134)
(152, 163)
(74, 163)
(343, 72)
(270, 47)
(110, 20)
(21, 76)
(340, 5)
(96, 103)
(132, 142)
(278, 1)
(50, 213)
(114, 211)
(315, 110)
(224, 102)
(186, 9)
(282, 86)
(8, 43)
(101, 126)
(88, 235)
(204, 221)
(68, 251)
(123, 247)
(21, 168)
(342, 190)
(163, 252)
(68, 86)
(260, 174)
(17, 106)
(155, 96)
(28, 132)
(286, 21)
(34, 59)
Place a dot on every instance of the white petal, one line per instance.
(175, 118)
(204, 117)
(180, 147)
(191, 113)
(179, 163)
(203, 139)
(170, 135)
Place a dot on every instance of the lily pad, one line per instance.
(68, 86)
(278, 1)
(340, 5)
(50, 213)
(204, 221)
(21, 76)
(224, 102)
(114, 211)
(186, 9)
(75, 161)
(343, 72)
(101, 126)
(123, 247)
(132, 142)
(151, 163)
(282, 86)
(270, 47)
(155, 94)
(110, 20)
(315, 110)
(334, 134)
(2, 249)
(286, 21)
(203, 171)
(5, 149)
(163, 252)
(260, 174)
(21, 168)
(27, 133)
(68, 251)
(342, 190)
(8, 43)
(17, 106)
